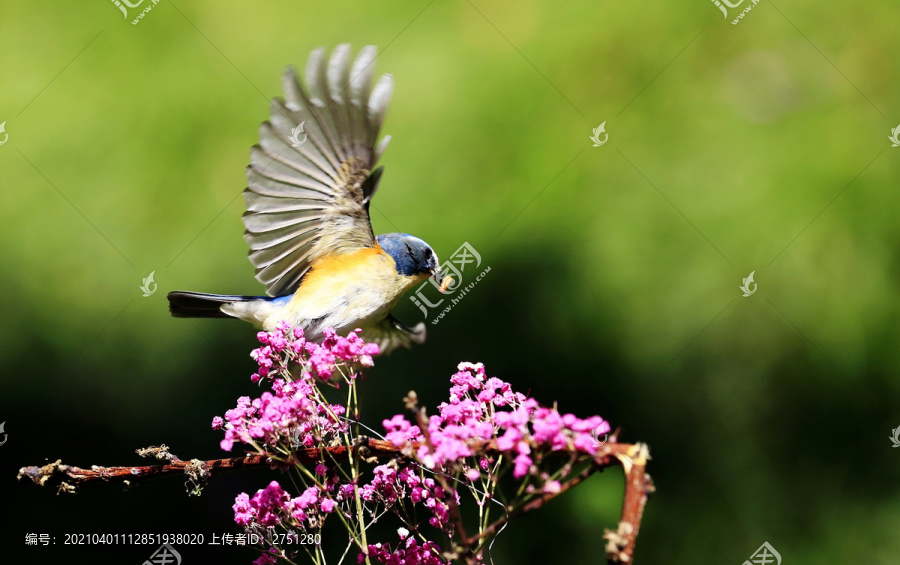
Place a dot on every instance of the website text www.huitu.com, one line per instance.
(744, 12)
(144, 12)
(459, 297)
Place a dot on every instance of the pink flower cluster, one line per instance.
(294, 412)
(286, 344)
(485, 409)
(390, 485)
(265, 508)
(408, 552)
(272, 506)
(482, 413)
(293, 415)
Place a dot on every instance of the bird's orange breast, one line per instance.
(338, 278)
(343, 264)
(349, 290)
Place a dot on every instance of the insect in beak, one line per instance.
(445, 282)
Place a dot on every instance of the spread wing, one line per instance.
(309, 187)
(390, 334)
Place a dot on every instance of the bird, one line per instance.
(307, 220)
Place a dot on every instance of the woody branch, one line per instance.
(620, 543)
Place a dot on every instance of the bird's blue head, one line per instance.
(412, 256)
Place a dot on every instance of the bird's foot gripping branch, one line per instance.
(439, 487)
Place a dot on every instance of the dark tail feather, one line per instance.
(183, 304)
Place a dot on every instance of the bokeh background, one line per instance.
(614, 279)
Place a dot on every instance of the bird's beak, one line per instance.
(439, 277)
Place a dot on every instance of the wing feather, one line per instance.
(273, 254)
(378, 103)
(299, 102)
(338, 78)
(308, 198)
(317, 151)
(320, 104)
(257, 223)
(273, 187)
(271, 205)
(280, 147)
(277, 238)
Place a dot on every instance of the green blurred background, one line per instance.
(614, 270)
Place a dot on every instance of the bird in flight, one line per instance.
(307, 220)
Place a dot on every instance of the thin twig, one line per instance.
(539, 501)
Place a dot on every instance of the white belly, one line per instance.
(356, 307)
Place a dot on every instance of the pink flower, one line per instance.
(509, 439)
(321, 360)
(309, 498)
(327, 505)
(408, 553)
(243, 512)
(267, 558)
(268, 504)
(523, 464)
(353, 348)
(400, 431)
(553, 487)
